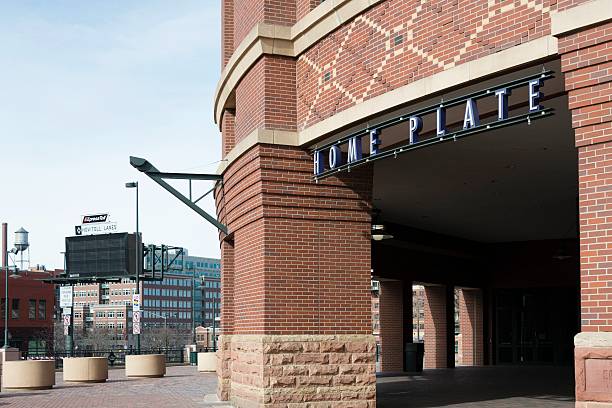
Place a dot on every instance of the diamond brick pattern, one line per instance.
(398, 42)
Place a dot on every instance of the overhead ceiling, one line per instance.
(512, 184)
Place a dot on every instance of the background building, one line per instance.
(104, 309)
(31, 310)
(207, 273)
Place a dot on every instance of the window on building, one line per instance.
(32, 309)
(42, 309)
(15, 308)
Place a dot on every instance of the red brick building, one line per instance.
(429, 116)
(31, 307)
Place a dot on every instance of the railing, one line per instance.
(116, 357)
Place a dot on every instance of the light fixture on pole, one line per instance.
(134, 184)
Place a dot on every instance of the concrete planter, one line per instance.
(28, 374)
(145, 365)
(207, 362)
(85, 369)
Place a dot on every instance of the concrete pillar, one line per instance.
(391, 326)
(471, 326)
(585, 46)
(435, 338)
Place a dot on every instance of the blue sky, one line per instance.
(86, 84)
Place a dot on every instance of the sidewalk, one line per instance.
(182, 387)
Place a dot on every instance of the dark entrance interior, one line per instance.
(529, 331)
(496, 212)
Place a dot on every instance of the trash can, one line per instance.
(413, 357)
(193, 358)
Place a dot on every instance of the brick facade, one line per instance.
(471, 319)
(227, 30)
(247, 13)
(286, 275)
(586, 59)
(297, 245)
(265, 98)
(435, 338)
(391, 326)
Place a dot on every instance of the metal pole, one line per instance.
(5, 267)
(193, 306)
(214, 313)
(137, 266)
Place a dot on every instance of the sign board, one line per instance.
(67, 311)
(94, 218)
(136, 317)
(65, 296)
(135, 328)
(101, 256)
(136, 302)
(96, 229)
(428, 126)
(66, 324)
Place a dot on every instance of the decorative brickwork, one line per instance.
(587, 65)
(391, 326)
(470, 324)
(399, 41)
(435, 338)
(325, 370)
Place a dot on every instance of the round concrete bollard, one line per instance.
(145, 365)
(28, 374)
(207, 362)
(85, 369)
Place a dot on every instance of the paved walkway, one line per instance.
(184, 387)
(482, 387)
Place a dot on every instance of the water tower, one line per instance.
(22, 244)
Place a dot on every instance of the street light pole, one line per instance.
(134, 184)
(5, 267)
(193, 306)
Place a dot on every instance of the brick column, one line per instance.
(471, 326)
(391, 326)
(301, 283)
(227, 31)
(586, 61)
(435, 337)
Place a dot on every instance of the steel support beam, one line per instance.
(147, 168)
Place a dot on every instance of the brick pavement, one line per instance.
(184, 387)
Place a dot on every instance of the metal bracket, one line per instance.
(157, 176)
